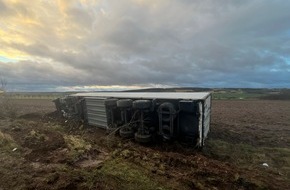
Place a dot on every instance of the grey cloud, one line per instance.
(3, 7)
(185, 43)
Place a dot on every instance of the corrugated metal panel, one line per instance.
(148, 95)
(96, 111)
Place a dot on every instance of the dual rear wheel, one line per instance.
(128, 132)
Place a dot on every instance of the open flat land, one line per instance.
(41, 150)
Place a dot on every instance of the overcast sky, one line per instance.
(60, 45)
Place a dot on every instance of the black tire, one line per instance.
(170, 108)
(142, 104)
(126, 132)
(124, 103)
(111, 102)
(143, 138)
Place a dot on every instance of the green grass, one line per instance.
(129, 175)
(236, 95)
(7, 143)
(77, 146)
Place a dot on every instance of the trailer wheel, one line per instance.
(124, 103)
(143, 138)
(142, 104)
(167, 111)
(111, 102)
(126, 132)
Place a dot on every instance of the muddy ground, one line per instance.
(248, 148)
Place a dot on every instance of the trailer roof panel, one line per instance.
(148, 95)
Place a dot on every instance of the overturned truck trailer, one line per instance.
(145, 116)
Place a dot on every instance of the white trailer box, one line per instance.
(183, 116)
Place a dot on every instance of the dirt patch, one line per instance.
(31, 116)
(54, 153)
(259, 123)
(25, 106)
(37, 143)
(93, 159)
(195, 170)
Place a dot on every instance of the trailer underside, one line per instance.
(146, 117)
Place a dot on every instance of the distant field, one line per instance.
(252, 94)
(236, 95)
(218, 94)
(37, 95)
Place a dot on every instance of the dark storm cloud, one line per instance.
(183, 43)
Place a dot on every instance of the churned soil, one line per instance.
(255, 122)
(41, 150)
